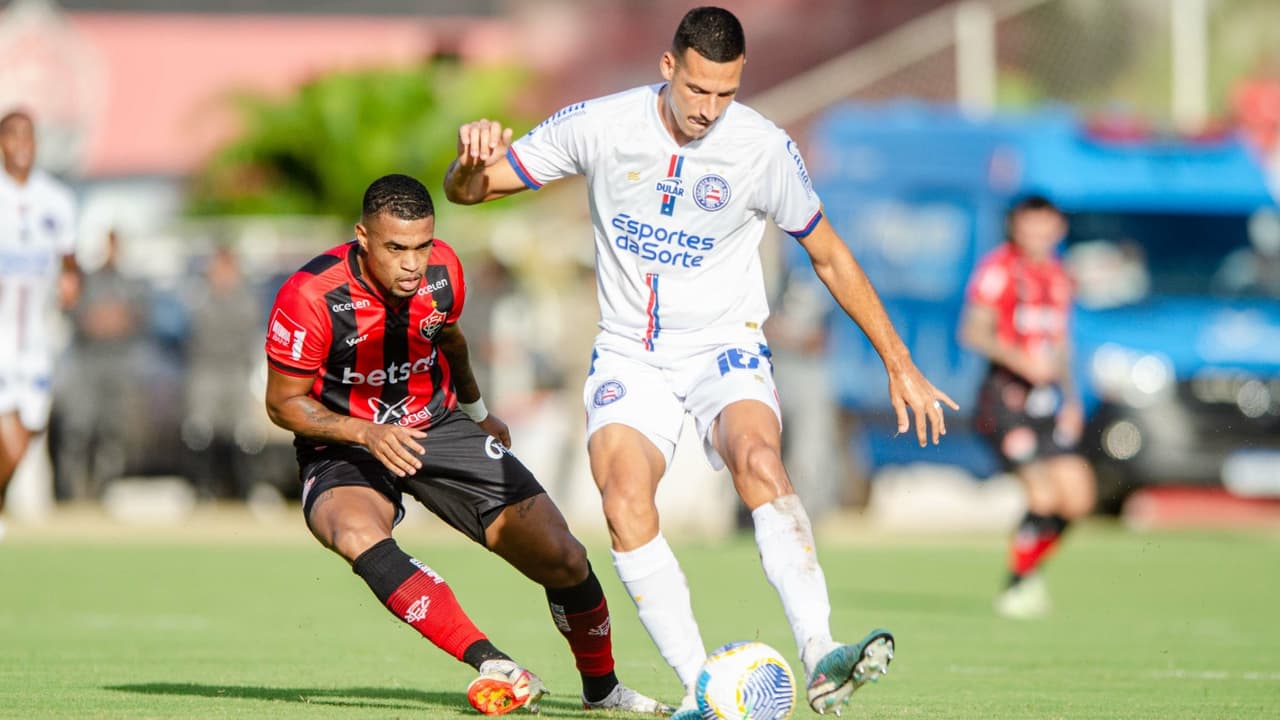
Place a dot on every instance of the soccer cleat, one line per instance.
(504, 686)
(627, 700)
(688, 709)
(847, 668)
(1026, 599)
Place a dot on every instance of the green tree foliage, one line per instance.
(316, 151)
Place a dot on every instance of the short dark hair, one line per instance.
(1027, 203)
(400, 195)
(1032, 202)
(714, 33)
(14, 115)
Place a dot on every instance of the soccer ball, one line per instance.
(744, 680)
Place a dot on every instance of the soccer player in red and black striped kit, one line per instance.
(370, 371)
(1017, 316)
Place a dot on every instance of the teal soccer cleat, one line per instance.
(847, 668)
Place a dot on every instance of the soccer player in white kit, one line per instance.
(37, 263)
(681, 180)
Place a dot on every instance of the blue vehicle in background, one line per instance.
(1175, 247)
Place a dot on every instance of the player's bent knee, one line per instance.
(562, 563)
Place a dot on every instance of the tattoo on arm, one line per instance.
(526, 506)
(313, 420)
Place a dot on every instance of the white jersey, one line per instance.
(36, 230)
(677, 228)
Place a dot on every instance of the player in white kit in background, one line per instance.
(681, 180)
(37, 265)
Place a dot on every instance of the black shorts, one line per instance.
(467, 476)
(1017, 419)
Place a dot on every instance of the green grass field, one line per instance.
(1165, 626)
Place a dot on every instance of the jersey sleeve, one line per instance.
(786, 191)
(297, 336)
(988, 283)
(555, 149)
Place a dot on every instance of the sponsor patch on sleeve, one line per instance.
(287, 333)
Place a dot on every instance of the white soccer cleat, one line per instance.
(504, 686)
(627, 700)
(1026, 599)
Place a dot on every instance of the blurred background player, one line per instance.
(1017, 316)
(681, 180)
(99, 402)
(37, 264)
(365, 356)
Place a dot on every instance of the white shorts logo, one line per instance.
(609, 391)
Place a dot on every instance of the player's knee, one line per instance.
(760, 464)
(626, 501)
(565, 562)
(350, 540)
(1078, 504)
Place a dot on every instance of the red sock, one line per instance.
(590, 637)
(417, 595)
(426, 602)
(581, 614)
(1035, 538)
(1043, 546)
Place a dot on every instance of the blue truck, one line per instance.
(1175, 246)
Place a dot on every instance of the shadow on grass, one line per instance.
(353, 697)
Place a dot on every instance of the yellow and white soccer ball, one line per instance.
(746, 679)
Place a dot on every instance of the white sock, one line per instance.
(790, 559)
(658, 587)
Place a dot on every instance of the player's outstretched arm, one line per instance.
(481, 171)
(849, 285)
(453, 344)
(290, 407)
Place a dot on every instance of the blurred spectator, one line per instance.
(1255, 99)
(97, 397)
(226, 323)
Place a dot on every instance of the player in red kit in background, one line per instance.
(1017, 316)
(365, 357)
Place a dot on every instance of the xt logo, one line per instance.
(384, 413)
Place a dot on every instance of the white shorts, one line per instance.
(652, 392)
(28, 394)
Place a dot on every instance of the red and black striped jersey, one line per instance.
(370, 360)
(1032, 301)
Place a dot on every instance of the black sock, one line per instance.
(384, 567)
(481, 650)
(1056, 524)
